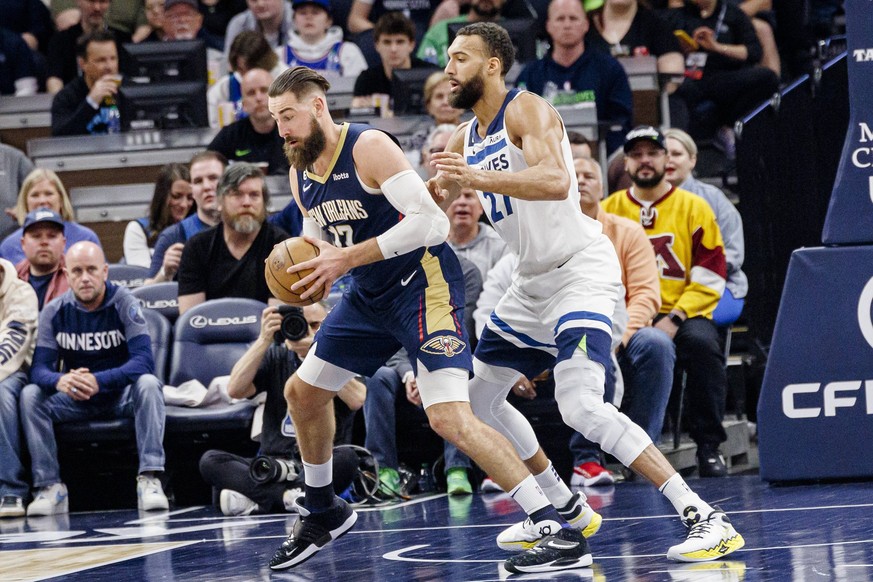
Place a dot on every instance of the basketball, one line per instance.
(290, 252)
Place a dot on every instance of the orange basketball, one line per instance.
(290, 252)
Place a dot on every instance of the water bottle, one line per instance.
(113, 117)
(425, 480)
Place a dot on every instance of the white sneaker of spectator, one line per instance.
(50, 500)
(150, 494)
(235, 503)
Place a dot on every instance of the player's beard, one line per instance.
(469, 93)
(307, 151)
(651, 182)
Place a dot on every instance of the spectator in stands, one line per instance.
(171, 203)
(397, 377)
(63, 53)
(14, 169)
(435, 43)
(437, 99)
(264, 368)
(624, 28)
(272, 18)
(395, 41)
(30, 20)
(572, 74)
(254, 138)
(580, 147)
(364, 13)
(437, 103)
(154, 12)
(469, 237)
(316, 43)
(644, 354)
(43, 189)
(688, 245)
(86, 104)
(182, 20)
(721, 66)
(681, 159)
(227, 260)
(206, 169)
(18, 318)
(217, 15)
(763, 19)
(627, 29)
(93, 359)
(249, 50)
(436, 141)
(43, 243)
(17, 66)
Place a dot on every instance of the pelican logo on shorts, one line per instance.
(444, 345)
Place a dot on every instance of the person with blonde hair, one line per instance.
(43, 189)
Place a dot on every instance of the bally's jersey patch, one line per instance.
(444, 345)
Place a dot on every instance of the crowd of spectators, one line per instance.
(208, 225)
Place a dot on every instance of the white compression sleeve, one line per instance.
(423, 223)
(311, 228)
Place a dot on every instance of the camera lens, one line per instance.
(294, 325)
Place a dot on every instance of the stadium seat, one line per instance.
(159, 330)
(207, 341)
(210, 337)
(160, 297)
(129, 276)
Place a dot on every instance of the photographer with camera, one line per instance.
(272, 481)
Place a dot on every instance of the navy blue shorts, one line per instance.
(422, 312)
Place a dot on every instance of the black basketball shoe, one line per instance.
(311, 532)
(564, 550)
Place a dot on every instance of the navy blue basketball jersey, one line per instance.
(351, 213)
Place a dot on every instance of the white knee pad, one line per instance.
(488, 390)
(323, 374)
(443, 385)
(579, 393)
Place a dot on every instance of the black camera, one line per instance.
(265, 469)
(294, 326)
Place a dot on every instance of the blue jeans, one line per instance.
(143, 400)
(383, 388)
(12, 476)
(647, 367)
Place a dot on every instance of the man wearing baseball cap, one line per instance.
(182, 20)
(692, 268)
(43, 243)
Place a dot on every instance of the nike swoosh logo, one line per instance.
(241, 153)
(560, 545)
(405, 282)
(307, 186)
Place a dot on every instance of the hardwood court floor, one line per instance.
(810, 532)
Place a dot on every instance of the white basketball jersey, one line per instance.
(543, 233)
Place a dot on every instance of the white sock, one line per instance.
(555, 490)
(529, 495)
(318, 475)
(684, 500)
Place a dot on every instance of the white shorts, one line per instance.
(579, 295)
